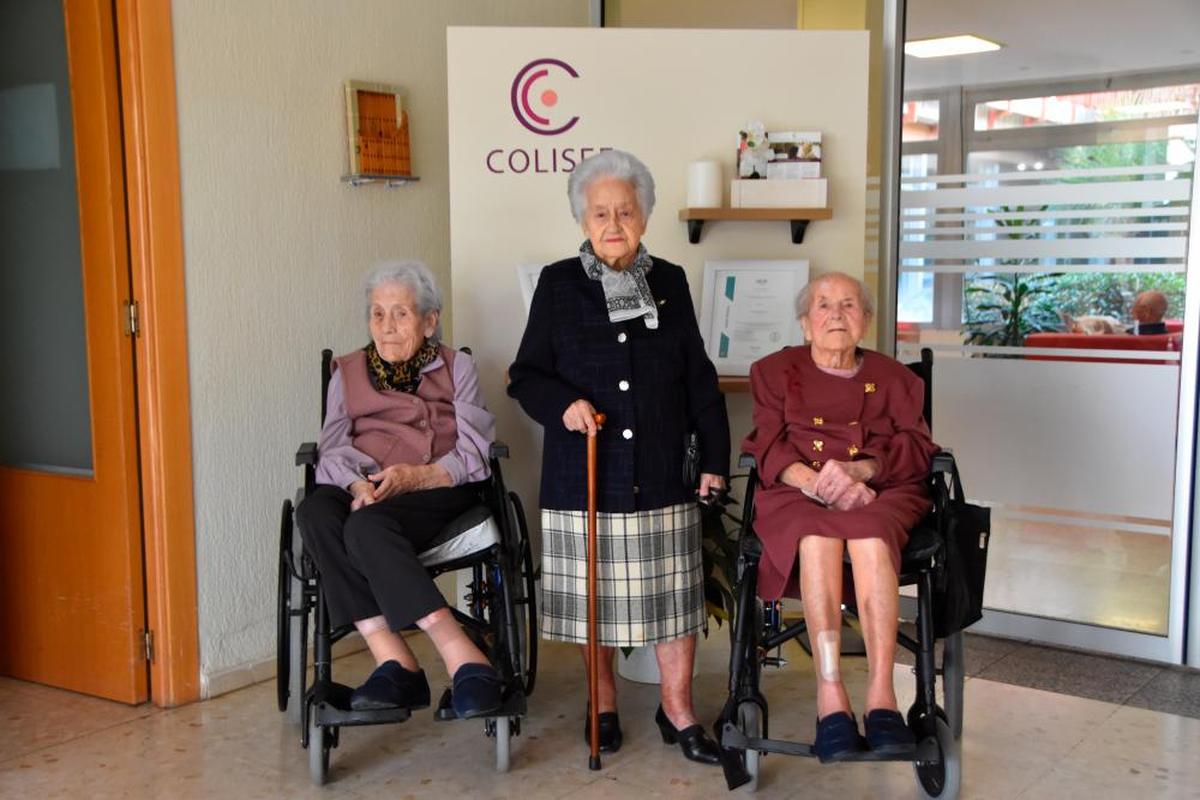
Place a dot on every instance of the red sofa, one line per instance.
(1172, 340)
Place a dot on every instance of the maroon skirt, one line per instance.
(783, 516)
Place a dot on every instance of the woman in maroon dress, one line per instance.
(843, 453)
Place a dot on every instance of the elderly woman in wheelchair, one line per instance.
(843, 454)
(403, 451)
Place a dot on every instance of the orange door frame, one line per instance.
(147, 75)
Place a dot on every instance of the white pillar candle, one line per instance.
(704, 184)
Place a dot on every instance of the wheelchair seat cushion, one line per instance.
(473, 531)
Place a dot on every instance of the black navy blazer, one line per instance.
(653, 385)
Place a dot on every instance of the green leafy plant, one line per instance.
(719, 547)
(1008, 306)
(1002, 308)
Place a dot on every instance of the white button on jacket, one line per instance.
(623, 386)
(621, 337)
(628, 434)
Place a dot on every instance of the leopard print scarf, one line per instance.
(402, 377)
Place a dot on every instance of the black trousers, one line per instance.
(368, 558)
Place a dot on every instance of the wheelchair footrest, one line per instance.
(327, 714)
(513, 705)
(734, 739)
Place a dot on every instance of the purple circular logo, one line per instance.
(534, 107)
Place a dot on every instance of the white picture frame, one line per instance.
(748, 310)
(527, 277)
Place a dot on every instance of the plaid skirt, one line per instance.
(649, 581)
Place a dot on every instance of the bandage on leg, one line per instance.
(827, 650)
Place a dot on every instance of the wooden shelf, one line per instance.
(798, 217)
(392, 181)
(733, 383)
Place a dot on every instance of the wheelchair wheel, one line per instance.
(524, 599)
(749, 722)
(503, 734)
(283, 644)
(320, 741)
(943, 779)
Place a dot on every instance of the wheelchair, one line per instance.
(491, 540)
(742, 727)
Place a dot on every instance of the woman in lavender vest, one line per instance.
(402, 453)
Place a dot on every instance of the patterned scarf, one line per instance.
(402, 377)
(625, 291)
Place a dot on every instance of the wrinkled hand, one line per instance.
(832, 481)
(857, 496)
(393, 480)
(580, 416)
(363, 493)
(710, 487)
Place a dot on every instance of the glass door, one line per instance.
(1049, 273)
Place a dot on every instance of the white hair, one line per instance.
(414, 276)
(610, 164)
(805, 297)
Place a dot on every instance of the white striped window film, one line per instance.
(1116, 219)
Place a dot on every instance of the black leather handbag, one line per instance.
(958, 594)
(691, 461)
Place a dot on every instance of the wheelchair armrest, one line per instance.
(746, 461)
(943, 463)
(307, 454)
(498, 450)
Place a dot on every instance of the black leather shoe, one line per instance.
(692, 740)
(476, 691)
(610, 730)
(391, 686)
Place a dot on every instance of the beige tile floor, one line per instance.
(1019, 743)
(1112, 578)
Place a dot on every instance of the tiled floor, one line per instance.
(1020, 742)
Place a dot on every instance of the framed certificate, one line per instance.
(527, 275)
(748, 311)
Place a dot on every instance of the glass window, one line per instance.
(1076, 109)
(920, 121)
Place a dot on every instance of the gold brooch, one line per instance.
(816, 464)
(870, 387)
(818, 420)
(818, 445)
(852, 450)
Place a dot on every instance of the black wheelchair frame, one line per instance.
(502, 621)
(742, 729)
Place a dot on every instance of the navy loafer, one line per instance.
(391, 686)
(837, 737)
(476, 691)
(887, 733)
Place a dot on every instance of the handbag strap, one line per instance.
(960, 497)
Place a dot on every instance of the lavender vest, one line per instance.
(395, 427)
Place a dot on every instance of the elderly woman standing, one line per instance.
(404, 445)
(843, 454)
(613, 330)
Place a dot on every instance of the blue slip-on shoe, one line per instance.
(476, 691)
(392, 686)
(887, 733)
(837, 737)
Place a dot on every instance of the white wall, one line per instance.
(672, 97)
(275, 248)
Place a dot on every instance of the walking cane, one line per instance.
(593, 647)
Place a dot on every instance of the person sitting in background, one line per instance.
(404, 451)
(1148, 311)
